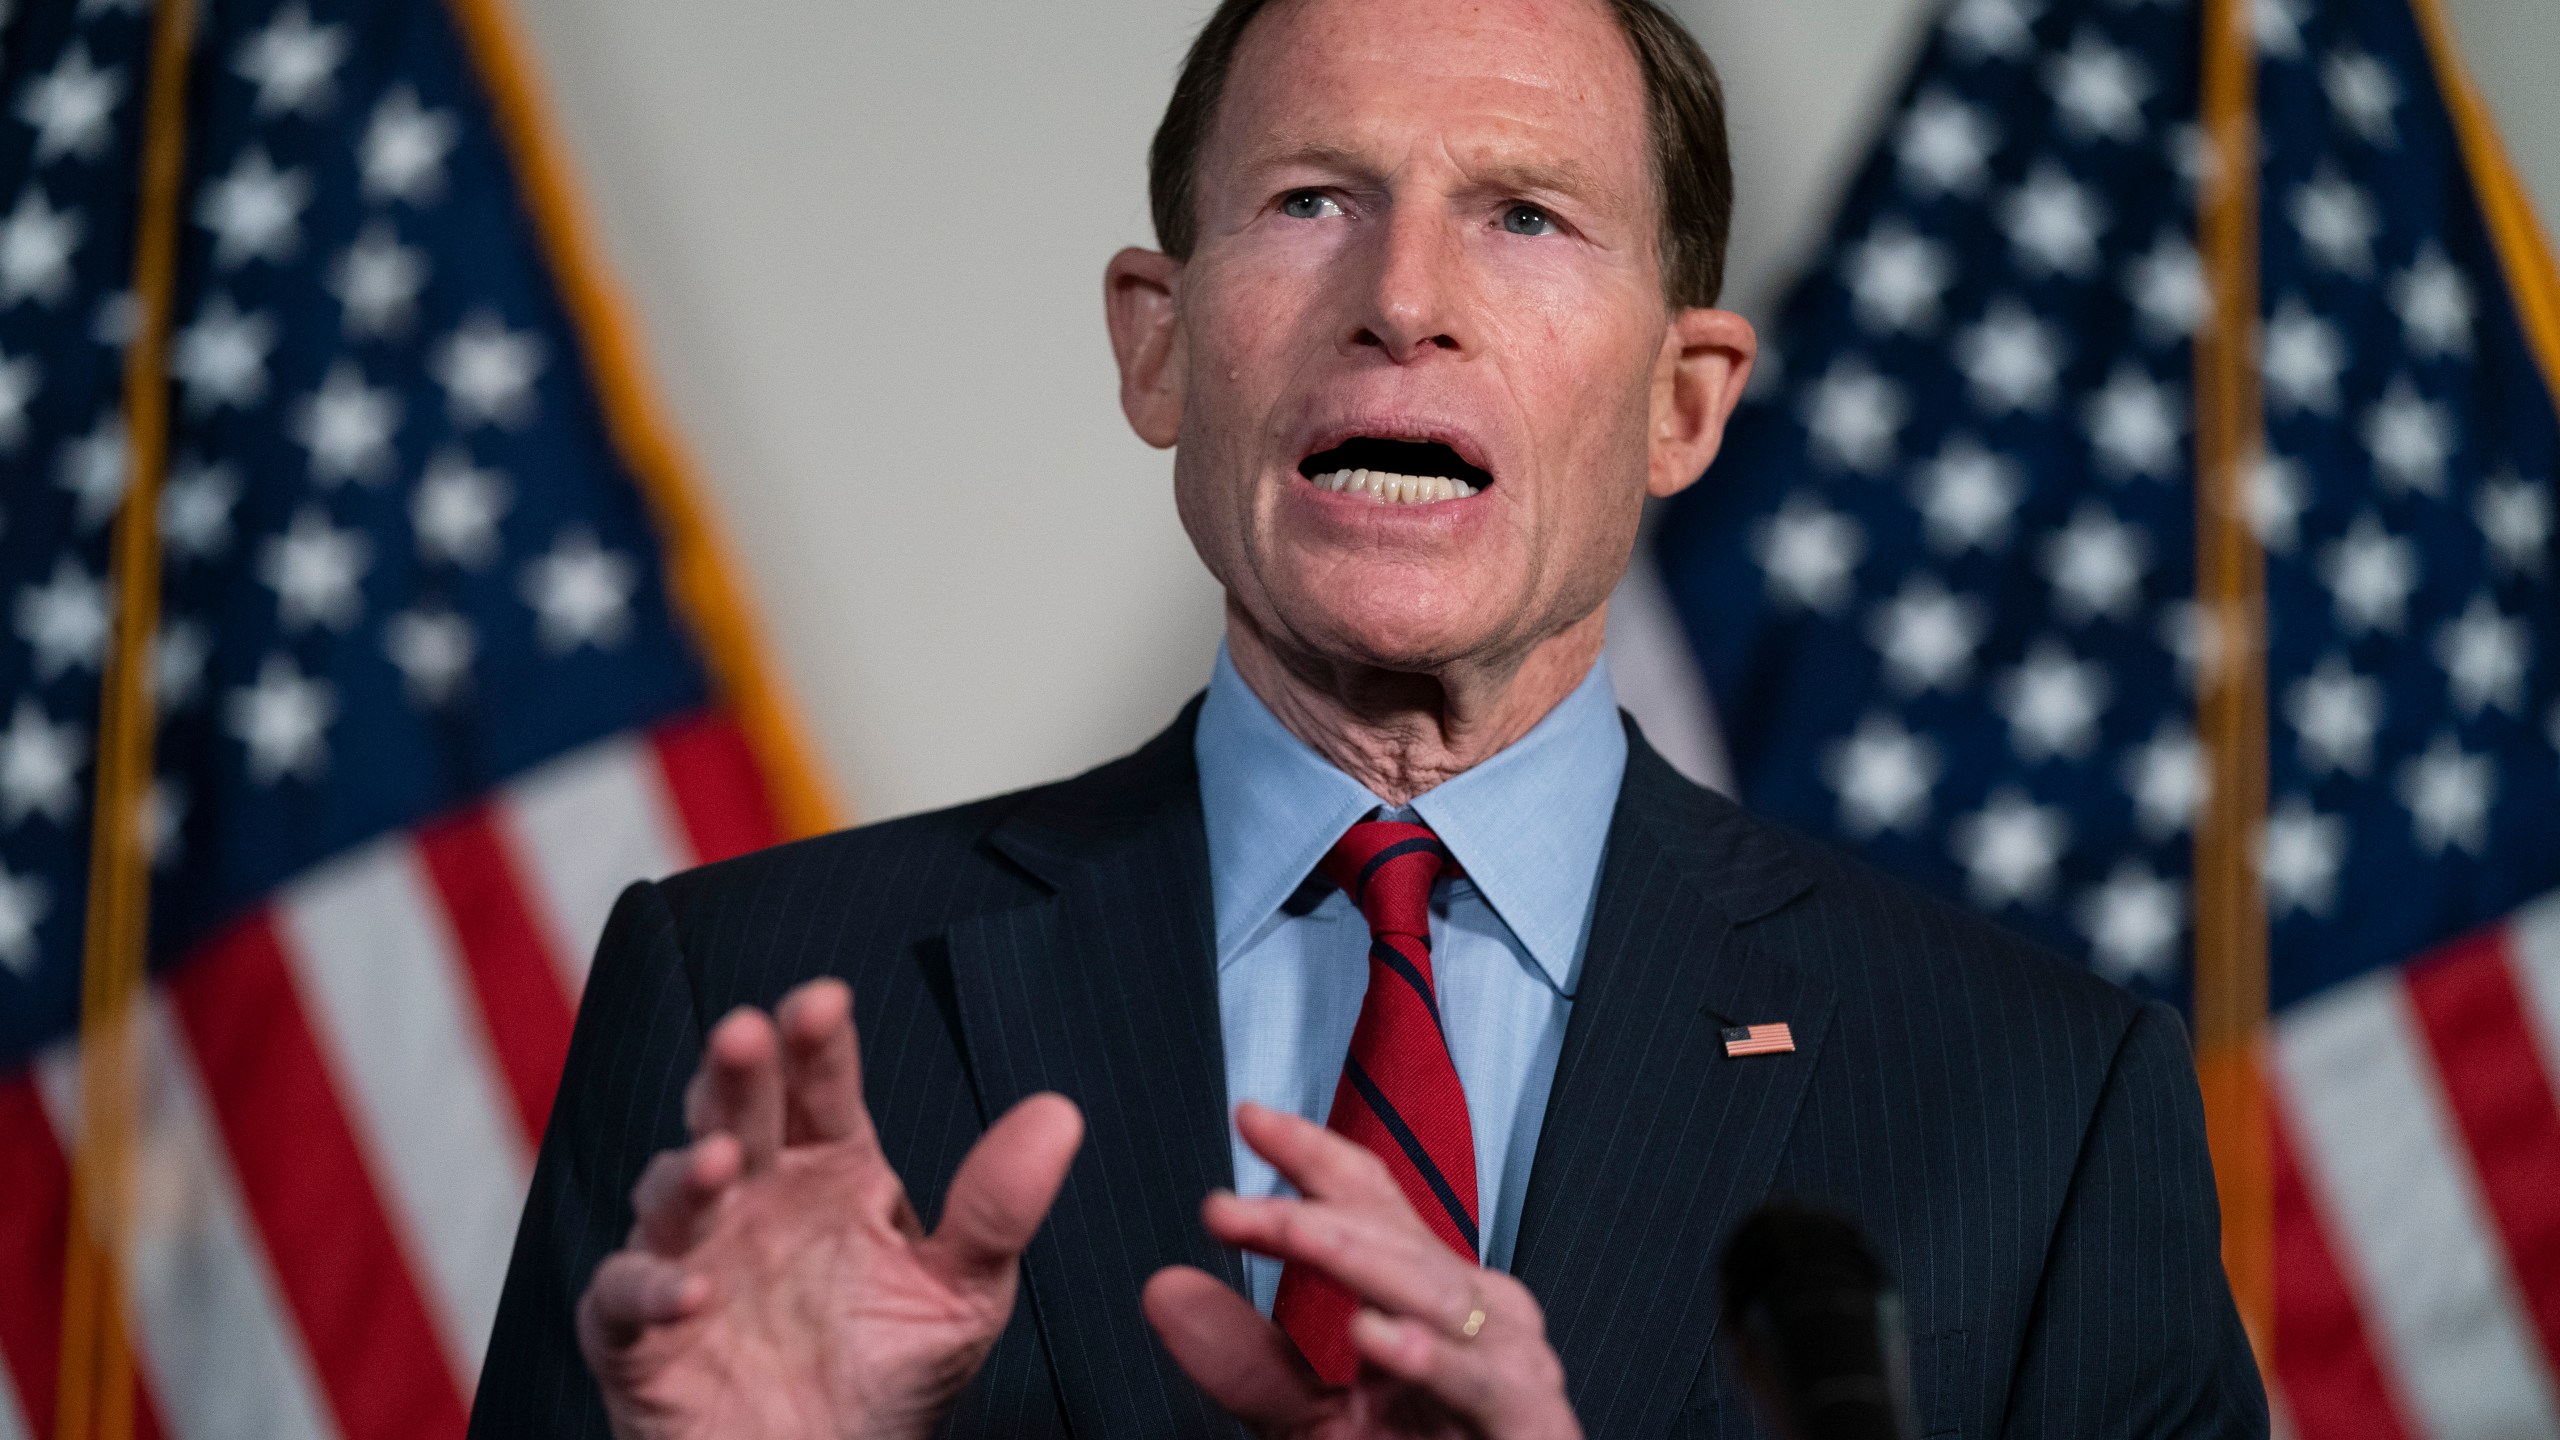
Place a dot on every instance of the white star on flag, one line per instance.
(1896, 278)
(292, 62)
(433, 648)
(254, 212)
(39, 766)
(2099, 89)
(221, 358)
(2301, 357)
(2335, 714)
(195, 511)
(404, 148)
(2277, 494)
(2166, 285)
(283, 719)
(93, 468)
(1853, 416)
(2052, 703)
(347, 426)
(2009, 848)
(1944, 146)
(317, 571)
(2410, 437)
(2299, 854)
(2133, 922)
(2449, 792)
(2363, 94)
(2434, 305)
(2484, 654)
(64, 620)
(2336, 221)
(2011, 359)
(178, 656)
(581, 593)
(72, 107)
(488, 371)
(1928, 636)
(2515, 515)
(1883, 775)
(36, 246)
(377, 280)
(1967, 495)
(455, 511)
(1809, 553)
(2166, 779)
(2135, 425)
(2371, 574)
(1991, 28)
(2055, 223)
(2095, 564)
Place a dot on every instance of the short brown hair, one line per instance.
(1684, 104)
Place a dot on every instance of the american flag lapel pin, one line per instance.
(1774, 1039)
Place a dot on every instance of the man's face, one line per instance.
(1428, 247)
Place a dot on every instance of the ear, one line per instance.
(1137, 298)
(1705, 361)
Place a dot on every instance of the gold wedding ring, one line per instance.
(1474, 1323)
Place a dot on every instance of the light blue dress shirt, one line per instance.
(1527, 826)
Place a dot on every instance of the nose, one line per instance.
(1412, 305)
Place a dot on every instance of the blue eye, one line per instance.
(1527, 219)
(1308, 205)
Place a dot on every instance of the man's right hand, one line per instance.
(776, 1281)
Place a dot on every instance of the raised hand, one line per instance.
(776, 1282)
(1448, 1348)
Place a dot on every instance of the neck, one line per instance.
(1401, 733)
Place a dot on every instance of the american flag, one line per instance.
(1942, 586)
(445, 660)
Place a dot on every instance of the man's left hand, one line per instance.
(1448, 1348)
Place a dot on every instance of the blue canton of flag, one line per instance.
(1942, 585)
(403, 562)
(1942, 581)
(427, 699)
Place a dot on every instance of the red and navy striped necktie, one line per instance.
(1399, 1095)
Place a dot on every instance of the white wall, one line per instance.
(866, 239)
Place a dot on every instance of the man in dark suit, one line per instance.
(1516, 1022)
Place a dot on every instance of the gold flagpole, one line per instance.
(2231, 700)
(94, 1399)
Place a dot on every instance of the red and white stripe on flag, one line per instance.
(2418, 1194)
(343, 1098)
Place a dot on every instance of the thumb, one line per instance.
(1236, 1357)
(1003, 1190)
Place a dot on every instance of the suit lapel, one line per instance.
(1106, 992)
(1655, 1142)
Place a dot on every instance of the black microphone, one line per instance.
(1817, 1326)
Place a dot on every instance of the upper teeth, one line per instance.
(1396, 489)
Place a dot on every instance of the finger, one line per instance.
(739, 1089)
(1004, 1186)
(1457, 1374)
(1399, 1269)
(822, 1065)
(632, 1293)
(678, 1192)
(1317, 1162)
(1236, 1357)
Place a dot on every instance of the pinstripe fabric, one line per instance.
(2023, 1142)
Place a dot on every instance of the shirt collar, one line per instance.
(1528, 825)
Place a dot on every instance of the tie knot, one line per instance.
(1386, 867)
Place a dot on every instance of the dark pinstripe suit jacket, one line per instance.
(2024, 1142)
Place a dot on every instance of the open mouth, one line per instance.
(1394, 472)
